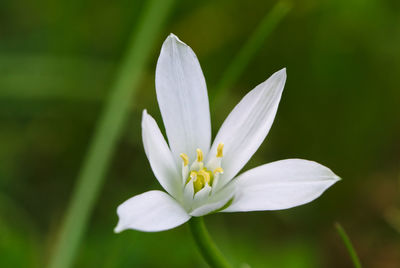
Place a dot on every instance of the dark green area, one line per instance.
(340, 107)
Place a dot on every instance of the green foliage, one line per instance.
(349, 246)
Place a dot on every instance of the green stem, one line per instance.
(107, 132)
(348, 244)
(206, 245)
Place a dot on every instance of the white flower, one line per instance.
(199, 179)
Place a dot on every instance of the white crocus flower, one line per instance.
(200, 180)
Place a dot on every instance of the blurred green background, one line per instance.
(340, 107)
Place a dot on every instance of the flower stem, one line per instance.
(206, 245)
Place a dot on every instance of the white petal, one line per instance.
(151, 211)
(280, 185)
(201, 196)
(188, 194)
(160, 157)
(182, 97)
(248, 124)
(214, 202)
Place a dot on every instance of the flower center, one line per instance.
(199, 174)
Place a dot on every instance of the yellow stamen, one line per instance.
(199, 155)
(193, 174)
(209, 173)
(205, 175)
(199, 175)
(220, 148)
(218, 170)
(185, 159)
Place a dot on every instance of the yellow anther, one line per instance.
(209, 173)
(185, 159)
(199, 155)
(218, 170)
(193, 174)
(220, 148)
(205, 175)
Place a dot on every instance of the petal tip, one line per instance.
(119, 228)
(145, 115)
(172, 37)
(337, 178)
(282, 72)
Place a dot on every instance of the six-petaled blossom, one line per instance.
(201, 179)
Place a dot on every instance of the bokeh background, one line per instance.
(340, 107)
